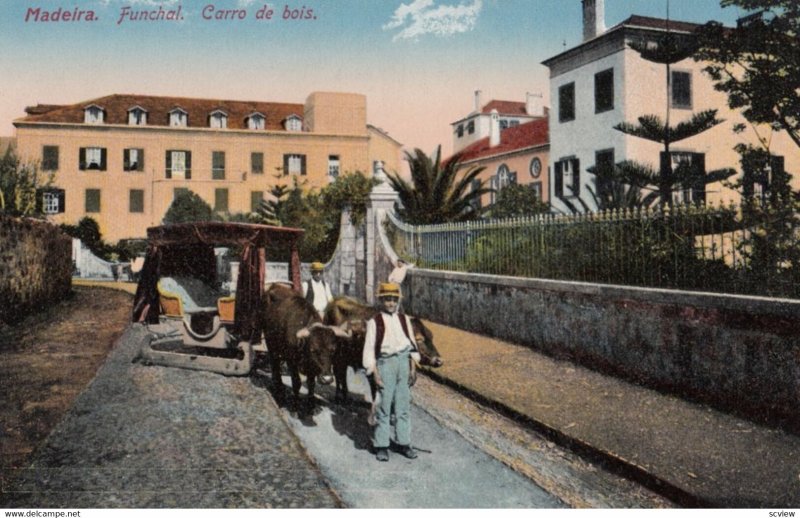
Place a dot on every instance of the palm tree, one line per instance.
(438, 192)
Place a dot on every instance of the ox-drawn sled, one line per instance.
(193, 322)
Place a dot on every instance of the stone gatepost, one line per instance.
(381, 200)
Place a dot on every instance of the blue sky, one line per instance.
(418, 61)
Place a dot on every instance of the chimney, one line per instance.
(494, 129)
(534, 104)
(477, 101)
(593, 18)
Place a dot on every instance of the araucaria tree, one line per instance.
(668, 50)
(438, 192)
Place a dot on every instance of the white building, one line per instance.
(478, 124)
(603, 82)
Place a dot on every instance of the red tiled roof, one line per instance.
(534, 133)
(116, 108)
(658, 23)
(505, 107)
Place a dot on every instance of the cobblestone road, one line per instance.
(154, 437)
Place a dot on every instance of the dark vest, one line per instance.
(380, 331)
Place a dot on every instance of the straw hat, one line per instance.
(317, 266)
(389, 289)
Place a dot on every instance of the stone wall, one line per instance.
(739, 353)
(35, 266)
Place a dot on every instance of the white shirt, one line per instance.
(322, 294)
(394, 339)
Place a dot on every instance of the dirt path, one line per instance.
(46, 361)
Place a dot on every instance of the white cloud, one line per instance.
(426, 17)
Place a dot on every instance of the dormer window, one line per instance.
(256, 121)
(294, 123)
(178, 117)
(218, 119)
(93, 114)
(137, 116)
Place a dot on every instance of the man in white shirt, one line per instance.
(388, 344)
(316, 290)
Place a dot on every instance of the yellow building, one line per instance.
(121, 159)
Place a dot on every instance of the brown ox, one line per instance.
(294, 333)
(353, 314)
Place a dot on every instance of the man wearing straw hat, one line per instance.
(388, 344)
(316, 290)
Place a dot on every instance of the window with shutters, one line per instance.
(471, 127)
(92, 202)
(179, 164)
(133, 159)
(137, 116)
(333, 166)
(604, 164)
(221, 200)
(49, 158)
(567, 178)
(604, 91)
(681, 89)
(93, 115)
(92, 158)
(136, 200)
(691, 166)
(53, 201)
(566, 102)
(294, 164)
(257, 163)
(217, 165)
(759, 174)
(255, 200)
(475, 185)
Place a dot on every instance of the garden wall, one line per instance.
(739, 353)
(35, 266)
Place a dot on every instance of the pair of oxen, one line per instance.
(321, 348)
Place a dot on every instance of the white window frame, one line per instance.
(93, 115)
(178, 118)
(334, 166)
(50, 203)
(685, 194)
(137, 117)
(178, 161)
(294, 123)
(256, 121)
(218, 120)
(295, 164)
(94, 156)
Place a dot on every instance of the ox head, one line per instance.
(427, 350)
(319, 343)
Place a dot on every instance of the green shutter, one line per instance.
(82, 159)
(103, 161)
(255, 200)
(188, 165)
(285, 165)
(92, 200)
(302, 164)
(140, 165)
(126, 159)
(168, 161)
(221, 200)
(217, 165)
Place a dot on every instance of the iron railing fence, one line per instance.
(684, 247)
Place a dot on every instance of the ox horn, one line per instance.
(342, 331)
